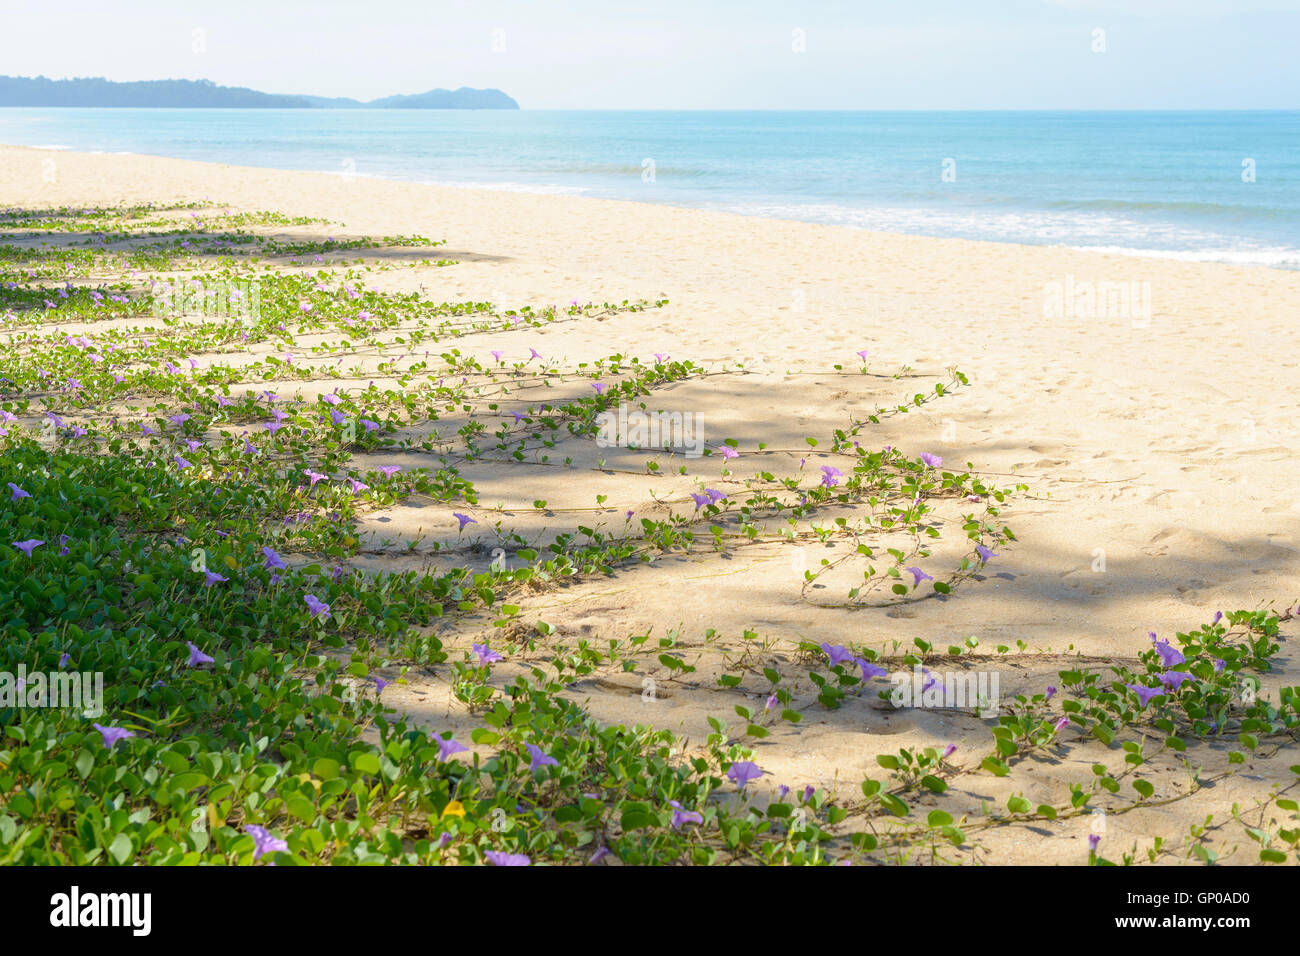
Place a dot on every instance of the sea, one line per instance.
(1212, 186)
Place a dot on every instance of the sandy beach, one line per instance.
(1154, 435)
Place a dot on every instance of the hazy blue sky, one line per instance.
(692, 54)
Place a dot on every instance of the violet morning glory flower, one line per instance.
(182, 464)
(317, 607)
(831, 476)
(389, 470)
(599, 387)
(447, 747)
(63, 659)
(380, 684)
(933, 461)
(17, 492)
(869, 670)
(112, 735)
(1145, 694)
(985, 553)
(728, 452)
(837, 653)
(357, 486)
(682, 816)
(213, 577)
(313, 477)
(330, 399)
(28, 546)
(1060, 724)
(463, 519)
(273, 560)
(1051, 692)
(497, 858)
(538, 758)
(863, 353)
(742, 772)
(485, 654)
(1093, 840)
(1174, 679)
(1168, 656)
(772, 702)
(948, 751)
(197, 657)
(264, 842)
(918, 576)
(599, 855)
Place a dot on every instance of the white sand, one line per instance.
(1166, 443)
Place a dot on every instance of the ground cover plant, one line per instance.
(201, 409)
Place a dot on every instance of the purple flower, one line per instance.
(463, 519)
(539, 759)
(1174, 679)
(772, 702)
(389, 470)
(485, 654)
(985, 553)
(497, 858)
(330, 399)
(831, 476)
(197, 657)
(28, 546)
(838, 654)
(317, 607)
(918, 576)
(357, 486)
(1051, 692)
(1145, 694)
(273, 560)
(1168, 656)
(934, 461)
(1060, 724)
(113, 734)
(599, 855)
(263, 842)
(447, 747)
(742, 772)
(682, 816)
(870, 670)
(213, 577)
(948, 751)
(863, 353)
(728, 452)
(1218, 616)
(182, 464)
(313, 477)
(1093, 840)
(599, 387)
(63, 659)
(17, 492)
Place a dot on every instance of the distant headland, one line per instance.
(189, 94)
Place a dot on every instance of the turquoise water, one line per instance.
(1145, 183)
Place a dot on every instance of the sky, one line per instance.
(690, 54)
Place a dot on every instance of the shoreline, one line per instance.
(574, 192)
